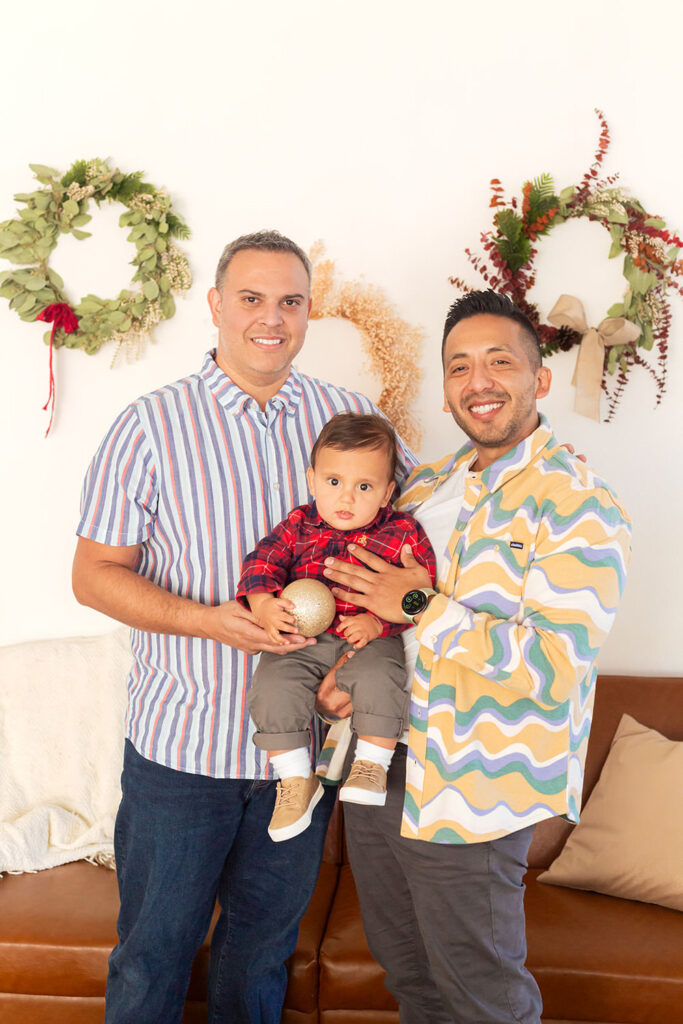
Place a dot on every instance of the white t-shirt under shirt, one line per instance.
(438, 523)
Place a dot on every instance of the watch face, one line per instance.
(413, 602)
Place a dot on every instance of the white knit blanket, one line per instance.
(62, 707)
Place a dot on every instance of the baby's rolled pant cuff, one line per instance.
(282, 740)
(366, 724)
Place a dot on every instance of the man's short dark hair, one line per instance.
(494, 304)
(351, 431)
(266, 241)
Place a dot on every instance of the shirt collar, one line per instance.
(236, 401)
(514, 461)
(495, 475)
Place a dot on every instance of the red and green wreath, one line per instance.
(635, 331)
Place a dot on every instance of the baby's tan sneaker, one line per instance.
(294, 804)
(366, 784)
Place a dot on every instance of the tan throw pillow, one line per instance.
(629, 841)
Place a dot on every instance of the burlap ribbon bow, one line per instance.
(613, 330)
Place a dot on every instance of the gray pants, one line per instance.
(282, 696)
(445, 922)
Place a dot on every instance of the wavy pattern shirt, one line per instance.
(503, 689)
(196, 473)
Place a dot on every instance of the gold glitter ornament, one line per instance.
(314, 606)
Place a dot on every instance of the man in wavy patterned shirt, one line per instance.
(532, 550)
(187, 480)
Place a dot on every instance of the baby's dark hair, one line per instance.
(350, 431)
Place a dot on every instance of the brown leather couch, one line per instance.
(596, 958)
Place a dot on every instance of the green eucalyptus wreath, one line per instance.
(61, 207)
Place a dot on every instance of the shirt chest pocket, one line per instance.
(492, 569)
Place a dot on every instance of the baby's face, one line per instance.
(350, 487)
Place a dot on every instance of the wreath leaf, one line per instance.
(543, 187)
(509, 224)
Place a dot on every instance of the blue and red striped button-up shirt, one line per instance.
(196, 473)
(298, 546)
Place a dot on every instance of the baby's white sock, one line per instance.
(292, 762)
(366, 751)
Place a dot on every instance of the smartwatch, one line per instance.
(415, 601)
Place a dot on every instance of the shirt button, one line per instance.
(276, 486)
(434, 639)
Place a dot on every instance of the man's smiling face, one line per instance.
(490, 384)
(261, 314)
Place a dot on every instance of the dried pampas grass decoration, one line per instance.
(391, 345)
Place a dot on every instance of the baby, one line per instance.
(351, 478)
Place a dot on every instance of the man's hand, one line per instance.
(380, 587)
(234, 625)
(572, 451)
(360, 629)
(331, 701)
(104, 578)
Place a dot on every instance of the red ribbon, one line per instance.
(59, 314)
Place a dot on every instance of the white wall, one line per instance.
(376, 127)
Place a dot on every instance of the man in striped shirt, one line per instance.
(185, 483)
(532, 549)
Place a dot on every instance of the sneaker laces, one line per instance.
(370, 770)
(287, 791)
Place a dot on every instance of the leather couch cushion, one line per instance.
(58, 927)
(349, 977)
(302, 990)
(21, 1009)
(600, 958)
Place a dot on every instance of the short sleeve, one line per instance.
(119, 499)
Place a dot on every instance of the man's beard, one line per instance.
(503, 434)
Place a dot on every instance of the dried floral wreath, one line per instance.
(383, 335)
(636, 325)
(37, 292)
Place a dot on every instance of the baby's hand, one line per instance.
(273, 614)
(360, 629)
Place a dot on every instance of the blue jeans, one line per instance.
(182, 841)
